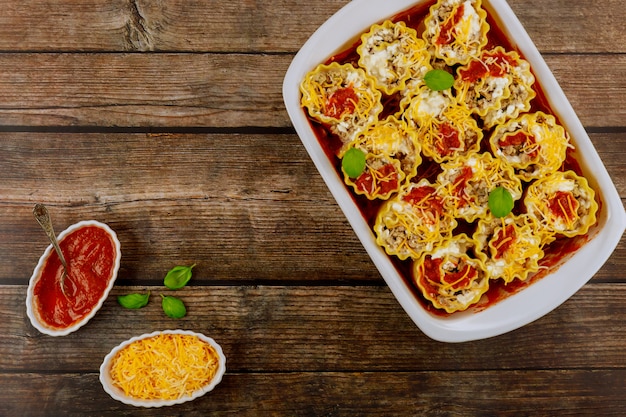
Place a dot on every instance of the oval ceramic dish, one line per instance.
(31, 298)
(119, 395)
(338, 34)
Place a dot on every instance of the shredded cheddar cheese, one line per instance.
(364, 101)
(429, 112)
(407, 226)
(469, 193)
(512, 246)
(531, 160)
(392, 53)
(464, 25)
(165, 366)
(451, 258)
(570, 219)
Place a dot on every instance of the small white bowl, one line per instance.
(341, 31)
(31, 310)
(117, 394)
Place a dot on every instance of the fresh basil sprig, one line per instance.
(500, 202)
(353, 162)
(173, 307)
(133, 301)
(438, 80)
(178, 277)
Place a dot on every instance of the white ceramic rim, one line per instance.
(30, 311)
(342, 30)
(117, 394)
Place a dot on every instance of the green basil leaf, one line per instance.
(500, 202)
(133, 301)
(438, 79)
(353, 162)
(173, 307)
(178, 277)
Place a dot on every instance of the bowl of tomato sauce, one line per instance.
(92, 252)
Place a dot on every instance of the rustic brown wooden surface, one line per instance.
(165, 120)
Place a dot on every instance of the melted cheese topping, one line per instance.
(512, 246)
(392, 138)
(320, 84)
(429, 111)
(546, 154)
(574, 216)
(392, 54)
(521, 93)
(469, 195)
(468, 35)
(407, 227)
(452, 257)
(166, 366)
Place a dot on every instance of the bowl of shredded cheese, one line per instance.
(163, 368)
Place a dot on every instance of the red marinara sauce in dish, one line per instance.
(92, 252)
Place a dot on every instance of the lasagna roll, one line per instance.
(470, 180)
(392, 54)
(450, 276)
(342, 97)
(392, 157)
(562, 203)
(521, 93)
(533, 144)
(456, 30)
(511, 245)
(484, 82)
(414, 221)
(445, 127)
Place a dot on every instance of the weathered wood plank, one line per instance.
(502, 393)
(329, 328)
(253, 26)
(230, 240)
(221, 90)
(91, 169)
(142, 90)
(242, 206)
(282, 283)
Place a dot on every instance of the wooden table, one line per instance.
(165, 120)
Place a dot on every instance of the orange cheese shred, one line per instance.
(164, 367)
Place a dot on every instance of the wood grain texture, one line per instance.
(313, 394)
(182, 90)
(234, 204)
(322, 328)
(165, 119)
(556, 26)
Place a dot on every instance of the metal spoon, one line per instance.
(43, 218)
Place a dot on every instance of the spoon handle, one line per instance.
(43, 218)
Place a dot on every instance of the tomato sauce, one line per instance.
(446, 33)
(494, 64)
(432, 276)
(384, 181)
(90, 253)
(503, 241)
(419, 195)
(448, 140)
(343, 100)
(522, 140)
(460, 185)
(564, 205)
